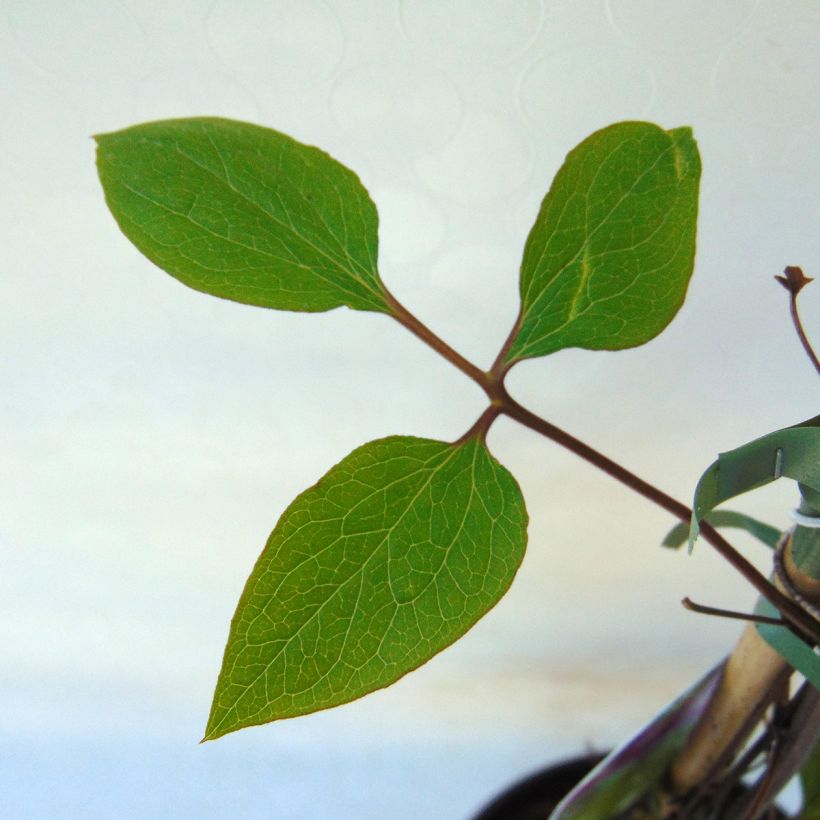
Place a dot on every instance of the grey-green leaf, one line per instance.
(793, 452)
(609, 258)
(796, 651)
(244, 213)
(395, 553)
(765, 533)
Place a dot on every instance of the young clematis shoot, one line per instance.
(406, 542)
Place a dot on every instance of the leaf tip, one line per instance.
(683, 136)
(102, 137)
(687, 157)
(216, 726)
(212, 733)
(694, 531)
(675, 537)
(681, 132)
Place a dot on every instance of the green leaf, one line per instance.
(766, 533)
(608, 261)
(810, 782)
(793, 452)
(395, 553)
(244, 213)
(797, 652)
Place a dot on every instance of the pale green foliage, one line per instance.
(609, 258)
(395, 553)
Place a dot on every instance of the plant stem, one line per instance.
(795, 743)
(501, 365)
(794, 280)
(689, 604)
(787, 607)
(492, 383)
(404, 317)
(753, 676)
(801, 333)
(483, 423)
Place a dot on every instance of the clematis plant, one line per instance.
(405, 543)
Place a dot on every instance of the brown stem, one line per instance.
(794, 280)
(801, 333)
(500, 365)
(492, 383)
(786, 606)
(483, 423)
(716, 789)
(689, 604)
(404, 317)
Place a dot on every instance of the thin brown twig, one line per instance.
(417, 328)
(482, 424)
(790, 610)
(794, 280)
(689, 604)
(798, 326)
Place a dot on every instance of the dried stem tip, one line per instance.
(793, 279)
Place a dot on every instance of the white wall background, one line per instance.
(150, 436)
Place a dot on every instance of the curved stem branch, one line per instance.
(483, 423)
(417, 328)
(794, 613)
(689, 604)
(801, 333)
(501, 365)
(492, 383)
(794, 280)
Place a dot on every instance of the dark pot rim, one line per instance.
(540, 791)
(537, 794)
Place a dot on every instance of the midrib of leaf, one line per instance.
(357, 572)
(364, 499)
(589, 234)
(336, 261)
(455, 535)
